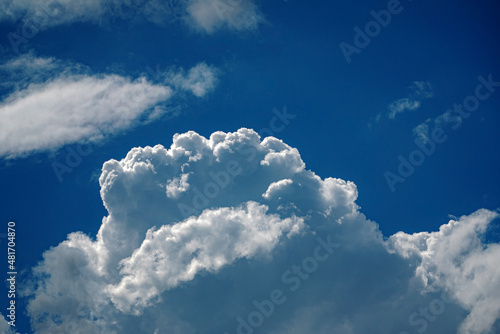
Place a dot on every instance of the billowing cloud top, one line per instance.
(230, 234)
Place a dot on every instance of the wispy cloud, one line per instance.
(455, 115)
(421, 131)
(204, 15)
(60, 105)
(419, 90)
(198, 80)
(402, 105)
(21, 71)
(45, 14)
(210, 15)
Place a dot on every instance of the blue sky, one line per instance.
(103, 77)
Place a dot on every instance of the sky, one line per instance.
(248, 166)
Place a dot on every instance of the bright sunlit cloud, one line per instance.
(247, 222)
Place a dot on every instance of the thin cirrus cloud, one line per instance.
(209, 15)
(246, 219)
(27, 68)
(448, 118)
(203, 15)
(61, 105)
(402, 105)
(419, 90)
(421, 131)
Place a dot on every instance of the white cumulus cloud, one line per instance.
(455, 258)
(216, 238)
(232, 234)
